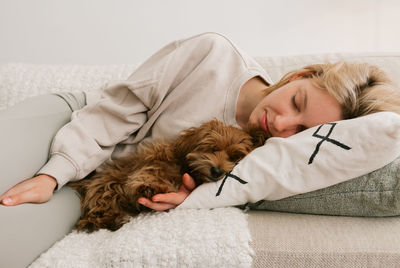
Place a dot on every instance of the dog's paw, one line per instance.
(149, 190)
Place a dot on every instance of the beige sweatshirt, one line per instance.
(184, 84)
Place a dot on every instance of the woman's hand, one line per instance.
(39, 189)
(167, 201)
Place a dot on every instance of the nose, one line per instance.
(216, 172)
(285, 126)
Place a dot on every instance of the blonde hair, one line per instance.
(360, 88)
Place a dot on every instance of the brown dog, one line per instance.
(110, 197)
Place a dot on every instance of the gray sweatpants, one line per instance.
(27, 130)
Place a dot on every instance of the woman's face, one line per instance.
(294, 107)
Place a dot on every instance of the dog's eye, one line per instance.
(215, 149)
(237, 152)
(233, 159)
(236, 157)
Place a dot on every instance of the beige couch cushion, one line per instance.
(296, 240)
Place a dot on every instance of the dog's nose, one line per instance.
(216, 172)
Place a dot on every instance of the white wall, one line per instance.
(128, 31)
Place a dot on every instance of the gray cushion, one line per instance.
(374, 194)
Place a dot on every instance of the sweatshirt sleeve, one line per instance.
(90, 138)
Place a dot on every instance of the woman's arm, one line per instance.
(90, 138)
(40, 189)
(123, 108)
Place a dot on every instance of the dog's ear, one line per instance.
(186, 142)
(189, 139)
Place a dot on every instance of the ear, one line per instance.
(186, 142)
(188, 139)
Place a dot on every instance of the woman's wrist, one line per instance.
(51, 181)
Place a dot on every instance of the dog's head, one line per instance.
(210, 151)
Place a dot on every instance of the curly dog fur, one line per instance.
(110, 197)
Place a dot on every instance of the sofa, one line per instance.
(259, 237)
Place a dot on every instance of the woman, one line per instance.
(191, 81)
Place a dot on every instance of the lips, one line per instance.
(263, 123)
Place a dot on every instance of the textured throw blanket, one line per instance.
(19, 81)
(179, 238)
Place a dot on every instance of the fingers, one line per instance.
(171, 200)
(188, 182)
(23, 197)
(174, 198)
(13, 195)
(160, 202)
(36, 190)
(154, 205)
(3, 196)
(20, 187)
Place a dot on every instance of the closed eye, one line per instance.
(294, 103)
(235, 158)
(237, 153)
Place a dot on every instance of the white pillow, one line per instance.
(310, 160)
